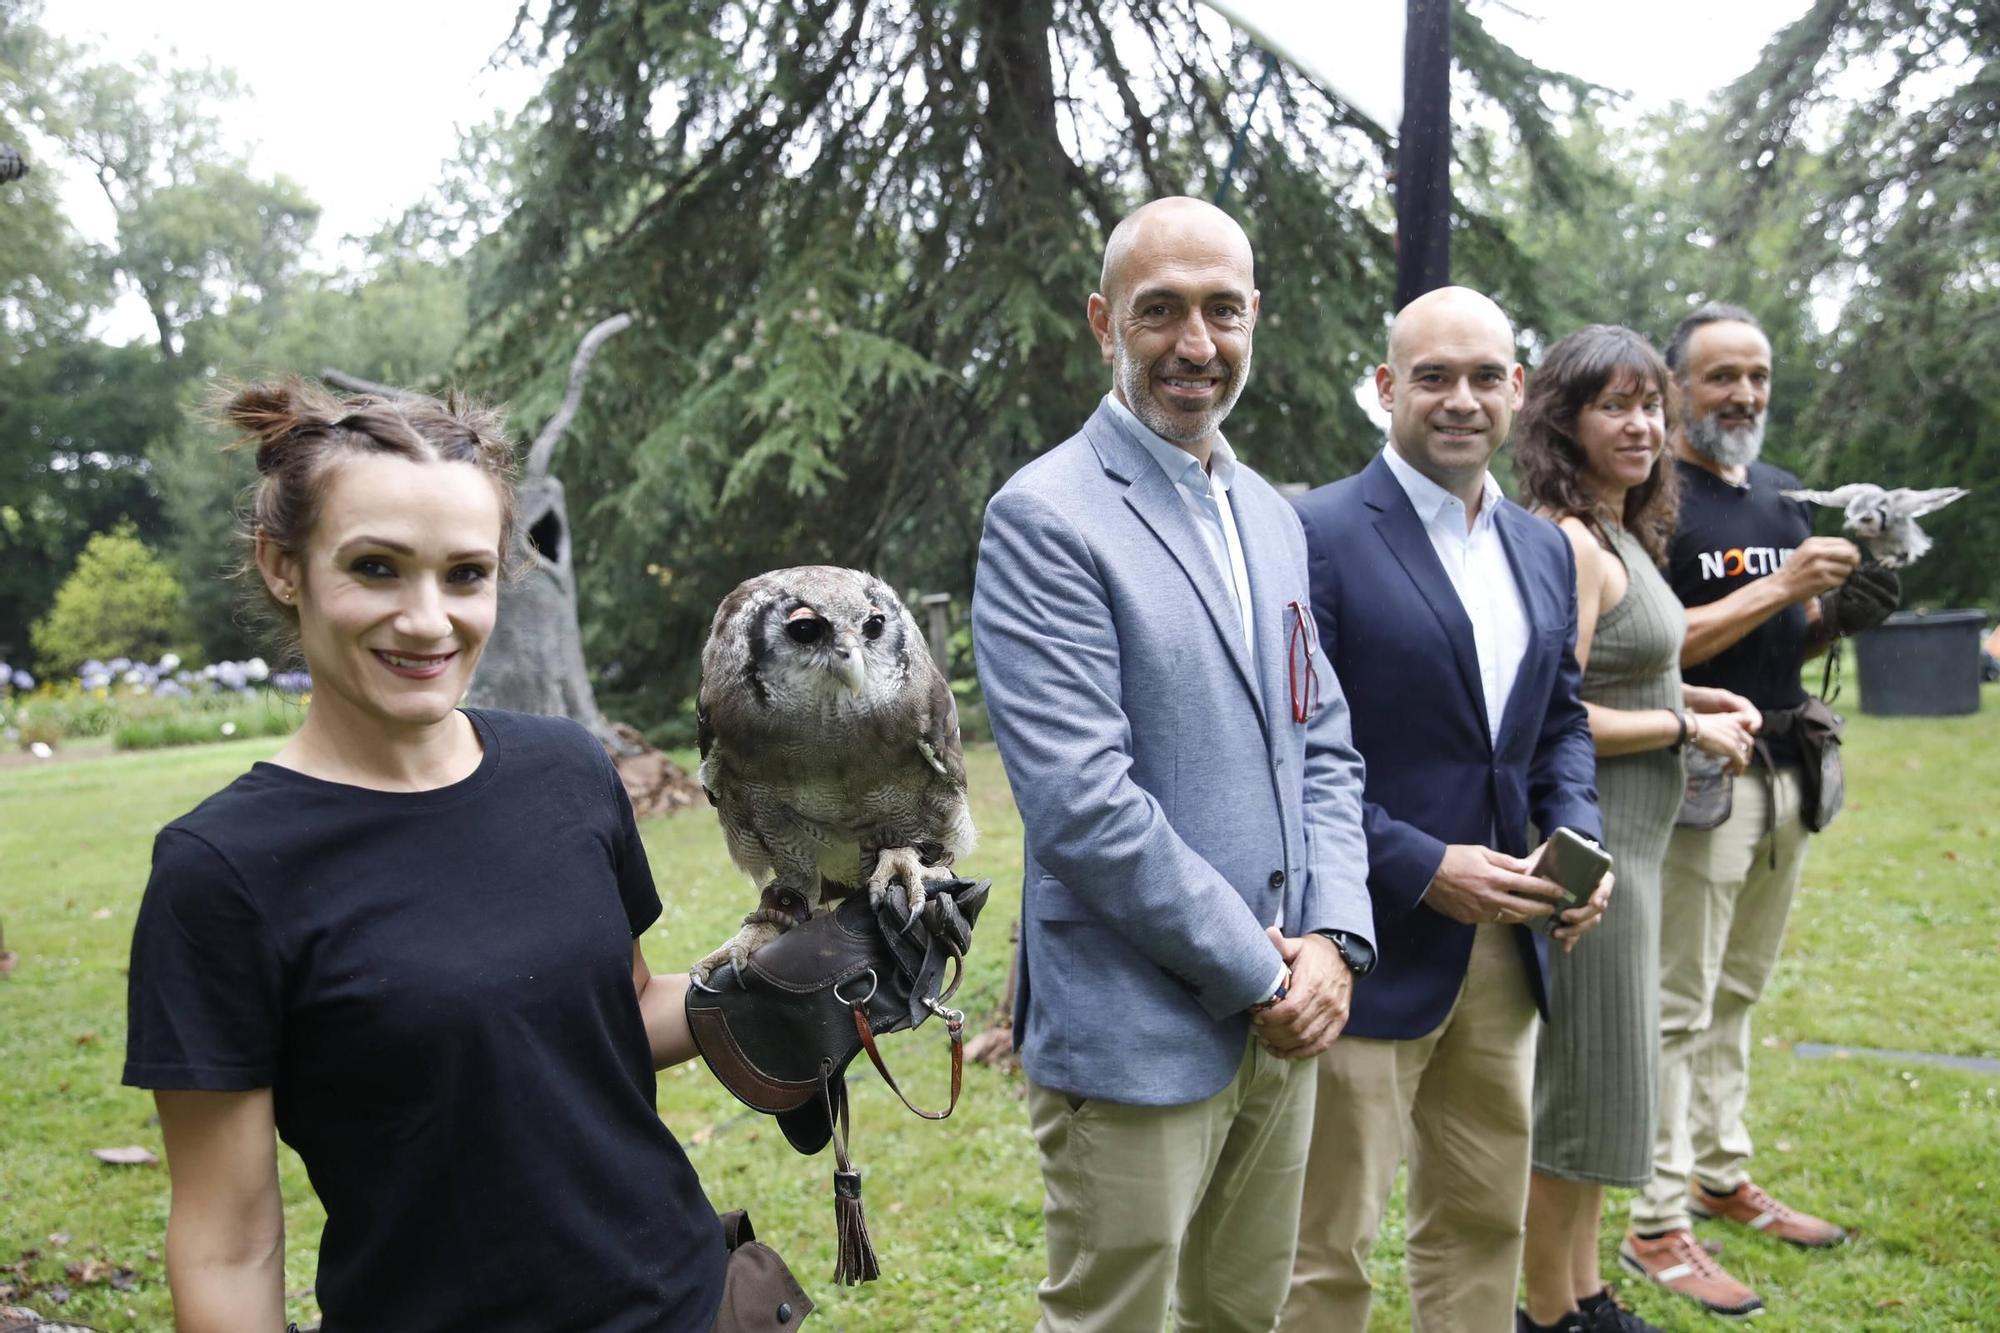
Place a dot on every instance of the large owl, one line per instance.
(829, 744)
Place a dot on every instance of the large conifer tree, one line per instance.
(858, 235)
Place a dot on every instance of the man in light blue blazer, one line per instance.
(1195, 904)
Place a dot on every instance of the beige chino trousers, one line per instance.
(1194, 1207)
(1458, 1103)
(1723, 908)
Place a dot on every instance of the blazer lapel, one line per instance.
(1512, 541)
(1154, 498)
(1265, 557)
(1397, 523)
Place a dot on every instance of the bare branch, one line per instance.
(1135, 115)
(340, 379)
(545, 444)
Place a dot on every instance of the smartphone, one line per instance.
(1574, 864)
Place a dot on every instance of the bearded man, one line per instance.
(1762, 595)
(1194, 907)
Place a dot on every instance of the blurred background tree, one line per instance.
(121, 600)
(93, 433)
(866, 231)
(857, 235)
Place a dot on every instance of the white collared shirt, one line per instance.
(1476, 564)
(1205, 492)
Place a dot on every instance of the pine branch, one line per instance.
(1135, 115)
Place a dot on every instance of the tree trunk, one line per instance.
(534, 661)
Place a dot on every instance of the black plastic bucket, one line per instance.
(1921, 664)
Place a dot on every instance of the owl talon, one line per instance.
(758, 930)
(901, 868)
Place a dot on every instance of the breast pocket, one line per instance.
(1049, 899)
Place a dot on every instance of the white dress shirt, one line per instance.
(1476, 564)
(1205, 492)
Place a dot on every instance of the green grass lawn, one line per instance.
(1893, 944)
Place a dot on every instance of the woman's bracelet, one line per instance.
(1681, 721)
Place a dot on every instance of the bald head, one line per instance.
(1173, 317)
(1450, 386)
(1454, 313)
(1180, 225)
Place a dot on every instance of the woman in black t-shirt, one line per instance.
(408, 944)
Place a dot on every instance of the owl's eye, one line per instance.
(805, 629)
(872, 627)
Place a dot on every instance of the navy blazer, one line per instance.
(1402, 647)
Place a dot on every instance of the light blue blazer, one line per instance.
(1172, 806)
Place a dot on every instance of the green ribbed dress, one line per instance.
(1597, 1065)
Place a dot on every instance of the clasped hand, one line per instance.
(1477, 885)
(1726, 724)
(1317, 996)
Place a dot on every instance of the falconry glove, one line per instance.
(1868, 597)
(780, 1030)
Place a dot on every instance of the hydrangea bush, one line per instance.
(143, 704)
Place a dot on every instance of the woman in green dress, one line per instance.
(1588, 450)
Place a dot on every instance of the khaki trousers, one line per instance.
(1457, 1102)
(1195, 1205)
(1723, 906)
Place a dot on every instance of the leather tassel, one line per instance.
(856, 1262)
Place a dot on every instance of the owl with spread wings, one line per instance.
(829, 746)
(1885, 521)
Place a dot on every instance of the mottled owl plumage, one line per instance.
(829, 741)
(1885, 521)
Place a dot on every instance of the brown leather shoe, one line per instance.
(1678, 1262)
(1760, 1212)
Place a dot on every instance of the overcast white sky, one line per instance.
(362, 101)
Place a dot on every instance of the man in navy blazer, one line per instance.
(1194, 898)
(1449, 614)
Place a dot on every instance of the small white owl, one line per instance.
(1883, 520)
(829, 744)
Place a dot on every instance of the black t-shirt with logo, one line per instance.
(437, 988)
(1729, 536)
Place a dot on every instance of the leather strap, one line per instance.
(954, 1026)
(836, 1114)
(781, 907)
(736, 1228)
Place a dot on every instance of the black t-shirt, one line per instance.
(437, 987)
(1729, 536)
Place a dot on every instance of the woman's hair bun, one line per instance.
(270, 414)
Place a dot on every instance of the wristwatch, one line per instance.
(1356, 952)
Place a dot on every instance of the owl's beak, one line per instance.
(848, 664)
